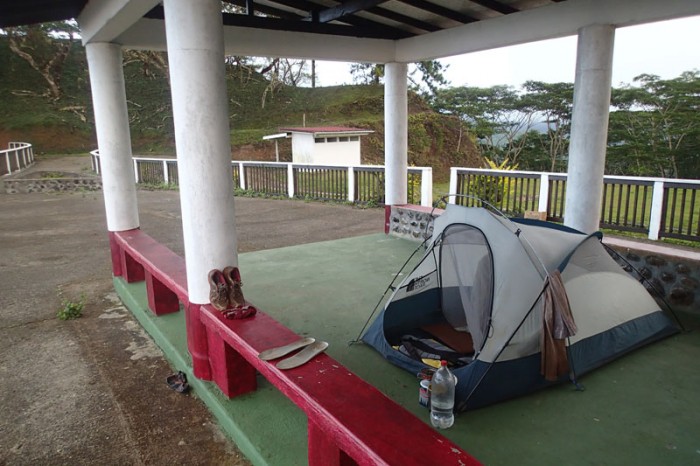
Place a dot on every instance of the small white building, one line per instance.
(326, 145)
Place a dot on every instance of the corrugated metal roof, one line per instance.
(326, 129)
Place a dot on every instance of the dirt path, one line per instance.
(91, 390)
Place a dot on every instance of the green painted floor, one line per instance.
(643, 409)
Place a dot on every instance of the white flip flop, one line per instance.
(303, 356)
(278, 352)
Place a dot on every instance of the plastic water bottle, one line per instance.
(442, 398)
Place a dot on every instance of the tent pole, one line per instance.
(390, 287)
(648, 282)
(527, 314)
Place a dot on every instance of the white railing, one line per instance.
(18, 156)
(361, 183)
(659, 207)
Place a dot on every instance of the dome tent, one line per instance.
(478, 294)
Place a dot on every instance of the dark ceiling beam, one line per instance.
(306, 26)
(496, 6)
(276, 24)
(440, 11)
(250, 7)
(377, 10)
(399, 18)
(346, 9)
(301, 5)
(13, 14)
(353, 20)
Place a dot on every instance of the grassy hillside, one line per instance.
(66, 125)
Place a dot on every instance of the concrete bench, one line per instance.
(140, 257)
(349, 421)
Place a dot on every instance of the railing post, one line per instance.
(657, 205)
(19, 167)
(544, 193)
(136, 170)
(453, 185)
(351, 184)
(241, 176)
(166, 177)
(31, 154)
(426, 187)
(290, 179)
(24, 156)
(9, 165)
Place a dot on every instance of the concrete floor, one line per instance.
(92, 390)
(641, 409)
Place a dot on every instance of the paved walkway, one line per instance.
(92, 390)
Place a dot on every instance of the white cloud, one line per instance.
(665, 48)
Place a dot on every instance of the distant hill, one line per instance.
(67, 126)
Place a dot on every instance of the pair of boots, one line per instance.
(225, 289)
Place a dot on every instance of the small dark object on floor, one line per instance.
(178, 382)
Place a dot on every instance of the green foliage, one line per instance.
(158, 187)
(489, 188)
(52, 175)
(71, 309)
(426, 77)
(505, 120)
(655, 127)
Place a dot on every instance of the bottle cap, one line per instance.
(443, 363)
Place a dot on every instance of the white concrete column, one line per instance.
(113, 135)
(396, 133)
(195, 40)
(589, 127)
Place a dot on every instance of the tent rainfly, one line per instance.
(491, 292)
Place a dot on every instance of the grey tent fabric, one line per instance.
(467, 286)
(485, 276)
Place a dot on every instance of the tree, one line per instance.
(655, 128)
(367, 73)
(45, 47)
(425, 77)
(152, 63)
(498, 116)
(551, 104)
(429, 77)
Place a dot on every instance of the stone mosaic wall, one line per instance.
(678, 280)
(51, 185)
(411, 224)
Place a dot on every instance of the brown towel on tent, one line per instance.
(557, 325)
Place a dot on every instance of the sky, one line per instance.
(665, 48)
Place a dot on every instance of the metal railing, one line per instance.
(658, 207)
(18, 156)
(363, 184)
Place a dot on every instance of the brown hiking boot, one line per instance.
(235, 293)
(218, 290)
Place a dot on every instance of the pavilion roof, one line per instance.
(380, 19)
